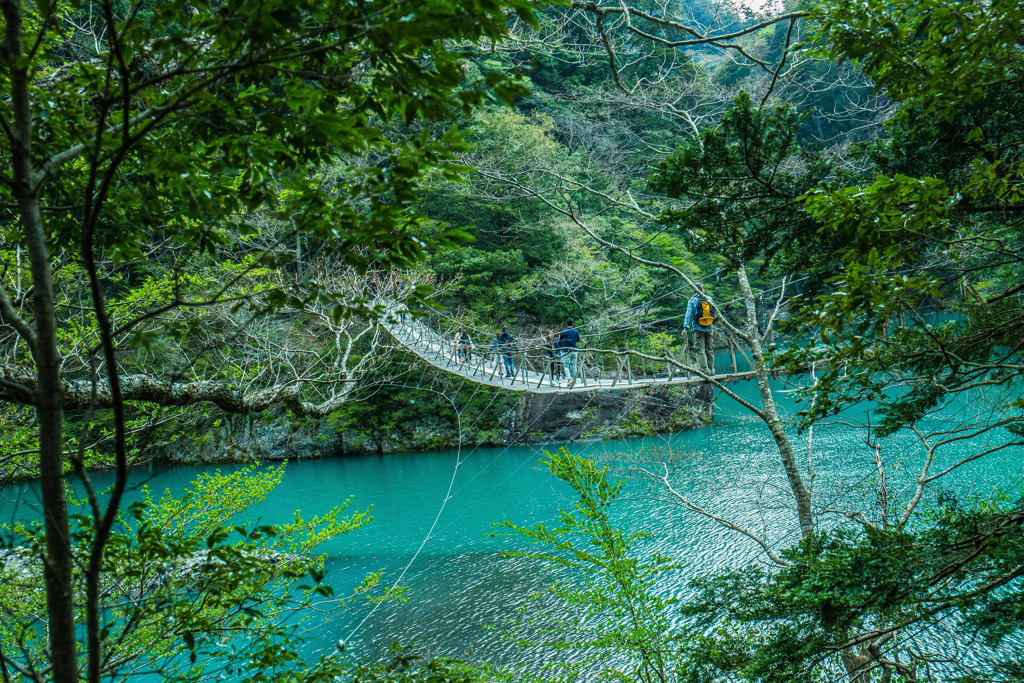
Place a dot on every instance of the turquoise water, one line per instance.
(458, 586)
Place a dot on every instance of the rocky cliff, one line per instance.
(535, 418)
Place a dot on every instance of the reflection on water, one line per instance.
(459, 586)
(452, 601)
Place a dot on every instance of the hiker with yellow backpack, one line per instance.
(700, 317)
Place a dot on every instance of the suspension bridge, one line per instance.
(541, 370)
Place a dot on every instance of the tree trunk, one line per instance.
(856, 664)
(771, 413)
(857, 661)
(47, 392)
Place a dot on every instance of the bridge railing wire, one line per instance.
(534, 361)
(483, 340)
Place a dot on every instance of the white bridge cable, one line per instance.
(484, 496)
(440, 511)
(442, 352)
(449, 495)
(439, 347)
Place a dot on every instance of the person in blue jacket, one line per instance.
(700, 317)
(504, 343)
(568, 341)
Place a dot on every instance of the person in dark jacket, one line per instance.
(503, 345)
(568, 341)
(463, 346)
(552, 354)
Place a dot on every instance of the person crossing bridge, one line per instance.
(700, 317)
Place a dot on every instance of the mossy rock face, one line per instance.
(247, 438)
(611, 415)
(639, 423)
(538, 418)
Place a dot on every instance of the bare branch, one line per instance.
(663, 481)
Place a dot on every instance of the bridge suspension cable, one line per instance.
(537, 368)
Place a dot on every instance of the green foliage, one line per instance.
(780, 626)
(944, 361)
(962, 564)
(493, 283)
(304, 131)
(742, 182)
(498, 274)
(278, 131)
(610, 617)
(553, 74)
(233, 127)
(384, 411)
(662, 344)
(932, 220)
(954, 51)
(189, 588)
(635, 424)
(148, 427)
(918, 143)
(935, 223)
(406, 667)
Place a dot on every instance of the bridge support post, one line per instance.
(447, 358)
(732, 352)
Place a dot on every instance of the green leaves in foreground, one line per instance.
(846, 591)
(847, 597)
(609, 618)
(955, 50)
(187, 588)
(741, 184)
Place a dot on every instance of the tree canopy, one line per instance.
(145, 139)
(209, 203)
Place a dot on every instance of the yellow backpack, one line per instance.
(705, 319)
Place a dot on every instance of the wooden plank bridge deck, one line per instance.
(440, 352)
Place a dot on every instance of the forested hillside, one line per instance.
(251, 308)
(211, 207)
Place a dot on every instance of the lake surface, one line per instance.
(461, 591)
